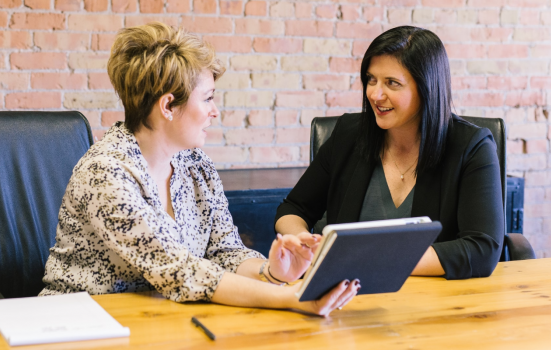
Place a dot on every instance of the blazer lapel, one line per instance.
(355, 193)
(426, 199)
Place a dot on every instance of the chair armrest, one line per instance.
(519, 247)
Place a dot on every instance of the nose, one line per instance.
(376, 93)
(215, 111)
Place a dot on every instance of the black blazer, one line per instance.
(463, 193)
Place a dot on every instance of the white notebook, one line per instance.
(59, 318)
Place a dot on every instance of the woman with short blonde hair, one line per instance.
(145, 208)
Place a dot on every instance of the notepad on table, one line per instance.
(59, 318)
(381, 254)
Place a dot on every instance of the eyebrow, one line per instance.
(390, 78)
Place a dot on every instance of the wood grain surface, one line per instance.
(509, 310)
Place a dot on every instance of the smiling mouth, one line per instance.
(384, 109)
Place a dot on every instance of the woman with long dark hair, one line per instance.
(407, 155)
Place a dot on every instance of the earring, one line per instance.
(169, 117)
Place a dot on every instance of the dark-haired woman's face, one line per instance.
(392, 93)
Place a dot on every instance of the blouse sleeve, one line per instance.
(477, 248)
(225, 247)
(110, 196)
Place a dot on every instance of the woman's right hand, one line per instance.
(336, 298)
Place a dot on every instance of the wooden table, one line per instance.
(509, 310)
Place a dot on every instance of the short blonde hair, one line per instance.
(149, 61)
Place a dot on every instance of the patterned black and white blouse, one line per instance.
(114, 236)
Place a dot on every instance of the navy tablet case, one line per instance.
(382, 258)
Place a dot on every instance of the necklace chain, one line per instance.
(396, 165)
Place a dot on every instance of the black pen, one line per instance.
(205, 329)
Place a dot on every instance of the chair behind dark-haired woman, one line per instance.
(516, 246)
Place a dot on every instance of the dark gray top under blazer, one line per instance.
(463, 192)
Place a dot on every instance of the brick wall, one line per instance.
(289, 61)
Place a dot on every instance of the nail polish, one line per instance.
(346, 283)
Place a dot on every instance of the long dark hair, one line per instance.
(422, 53)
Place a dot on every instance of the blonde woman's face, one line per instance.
(196, 115)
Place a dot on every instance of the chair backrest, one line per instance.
(322, 127)
(38, 153)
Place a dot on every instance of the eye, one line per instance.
(394, 83)
(371, 80)
(210, 98)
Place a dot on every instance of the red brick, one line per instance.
(507, 83)
(360, 47)
(468, 83)
(249, 136)
(488, 16)
(529, 17)
(178, 6)
(61, 41)
(10, 3)
(99, 81)
(37, 21)
(133, 21)
(309, 28)
(507, 51)
(528, 3)
(326, 82)
(400, 3)
(2, 60)
(38, 60)
(95, 23)
(233, 118)
(38, 4)
(540, 82)
(282, 9)
(487, 3)
(300, 99)
(486, 99)
(108, 118)
(257, 26)
(293, 135)
(67, 5)
(231, 7)
(151, 6)
(261, 118)
(215, 136)
(286, 117)
(128, 6)
(255, 8)
(449, 33)
(350, 12)
(303, 10)
(16, 40)
(524, 98)
(274, 154)
(93, 118)
(58, 81)
(327, 11)
(98, 134)
(278, 45)
(373, 14)
(345, 99)
(531, 34)
(357, 84)
(239, 44)
(447, 3)
(226, 154)
(88, 60)
(210, 25)
(345, 65)
(515, 146)
(527, 162)
(527, 131)
(204, 6)
(102, 42)
(95, 5)
(445, 16)
(33, 100)
(537, 146)
(358, 30)
(466, 50)
(14, 81)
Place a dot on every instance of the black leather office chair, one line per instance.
(38, 151)
(516, 246)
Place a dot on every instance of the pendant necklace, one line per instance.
(396, 165)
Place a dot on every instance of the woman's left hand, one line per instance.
(291, 255)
